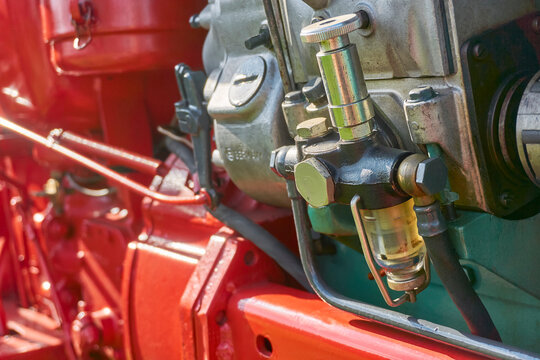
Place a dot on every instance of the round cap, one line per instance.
(330, 28)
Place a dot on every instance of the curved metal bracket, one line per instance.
(409, 296)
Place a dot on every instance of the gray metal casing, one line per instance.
(411, 43)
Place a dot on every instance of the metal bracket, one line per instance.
(193, 119)
(409, 296)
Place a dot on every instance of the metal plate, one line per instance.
(490, 61)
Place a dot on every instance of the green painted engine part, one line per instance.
(500, 256)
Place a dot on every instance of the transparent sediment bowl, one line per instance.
(395, 243)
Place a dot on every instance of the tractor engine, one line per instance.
(269, 179)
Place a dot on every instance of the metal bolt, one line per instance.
(262, 38)
(314, 182)
(194, 21)
(294, 96)
(479, 51)
(312, 128)
(422, 93)
(506, 199)
(282, 161)
(431, 175)
(314, 90)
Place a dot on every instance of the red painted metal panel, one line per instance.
(298, 325)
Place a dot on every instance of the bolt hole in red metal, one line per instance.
(264, 346)
(221, 318)
(250, 258)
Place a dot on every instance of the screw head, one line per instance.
(314, 182)
(431, 175)
(422, 93)
(312, 128)
(247, 81)
(479, 51)
(506, 199)
(194, 21)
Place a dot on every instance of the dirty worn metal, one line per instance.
(313, 128)
(246, 136)
(494, 84)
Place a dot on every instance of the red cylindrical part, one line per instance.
(116, 155)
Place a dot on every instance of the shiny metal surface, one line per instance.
(417, 43)
(369, 257)
(528, 130)
(348, 100)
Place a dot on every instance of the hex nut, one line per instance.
(273, 162)
(357, 131)
(314, 182)
(312, 128)
(431, 175)
(282, 161)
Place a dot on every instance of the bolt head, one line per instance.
(194, 21)
(506, 199)
(273, 161)
(431, 176)
(314, 89)
(294, 97)
(312, 128)
(314, 182)
(422, 93)
(479, 51)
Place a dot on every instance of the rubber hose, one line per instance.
(261, 238)
(456, 282)
(183, 152)
(265, 241)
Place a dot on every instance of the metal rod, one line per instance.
(385, 316)
(113, 176)
(277, 37)
(118, 156)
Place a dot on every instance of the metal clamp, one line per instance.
(409, 296)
